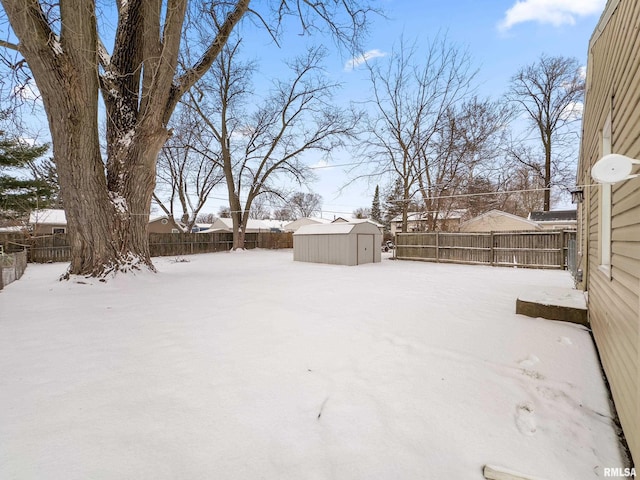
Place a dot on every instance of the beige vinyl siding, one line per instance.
(614, 301)
(497, 224)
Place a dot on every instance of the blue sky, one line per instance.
(501, 35)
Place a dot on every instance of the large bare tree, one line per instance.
(107, 201)
(412, 93)
(304, 204)
(466, 144)
(549, 94)
(267, 139)
(187, 171)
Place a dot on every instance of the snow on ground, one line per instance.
(252, 366)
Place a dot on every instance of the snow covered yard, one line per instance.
(252, 366)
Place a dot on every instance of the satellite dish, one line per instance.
(613, 168)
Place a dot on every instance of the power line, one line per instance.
(436, 197)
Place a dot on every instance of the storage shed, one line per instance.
(338, 243)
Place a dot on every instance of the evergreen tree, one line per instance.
(376, 214)
(393, 202)
(18, 193)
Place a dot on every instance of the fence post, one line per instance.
(438, 247)
(561, 262)
(492, 257)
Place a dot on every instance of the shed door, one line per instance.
(365, 248)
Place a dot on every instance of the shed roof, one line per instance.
(340, 228)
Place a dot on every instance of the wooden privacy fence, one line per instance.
(546, 249)
(168, 244)
(55, 248)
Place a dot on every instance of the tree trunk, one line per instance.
(238, 243)
(108, 229)
(547, 173)
(236, 218)
(88, 208)
(107, 226)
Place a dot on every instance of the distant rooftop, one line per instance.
(422, 216)
(553, 216)
(48, 217)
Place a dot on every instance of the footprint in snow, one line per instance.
(525, 419)
(529, 362)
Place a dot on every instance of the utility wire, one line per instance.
(436, 197)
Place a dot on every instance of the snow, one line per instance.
(118, 201)
(255, 366)
(562, 297)
(48, 216)
(127, 138)
(56, 46)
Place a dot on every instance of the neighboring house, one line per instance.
(161, 224)
(200, 227)
(418, 221)
(555, 219)
(300, 222)
(275, 225)
(609, 215)
(226, 225)
(12, 229)
(498, 221)
(48, 221)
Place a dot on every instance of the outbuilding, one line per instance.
(338, 243)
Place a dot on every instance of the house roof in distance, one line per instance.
(48, 216)
(553, 216)
(422, 216)
(499, 213)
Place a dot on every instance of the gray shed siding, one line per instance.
(347, 244)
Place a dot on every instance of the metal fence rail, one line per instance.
(523, 249)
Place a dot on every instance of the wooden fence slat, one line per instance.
(523, 249)
(55, 248)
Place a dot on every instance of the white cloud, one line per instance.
(320, 164)
(554, 12)
(360, 59)
(583, 72)
(573, 111)
(27, 91)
